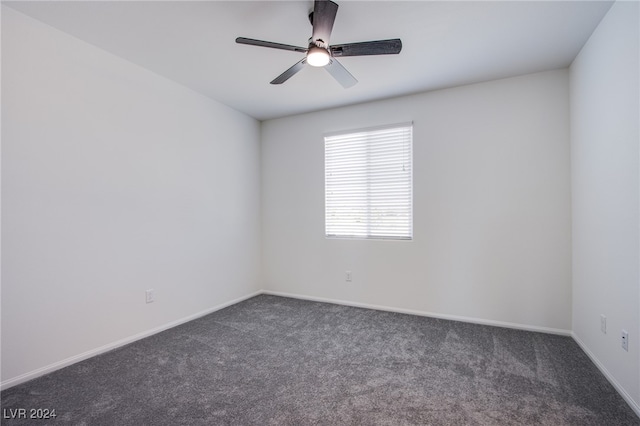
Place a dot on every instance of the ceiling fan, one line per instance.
(320, 53)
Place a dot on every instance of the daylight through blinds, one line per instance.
(368, 183)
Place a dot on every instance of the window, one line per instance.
(368, 183)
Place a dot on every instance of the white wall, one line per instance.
(491, 206)
(114, 180)
(605, 190)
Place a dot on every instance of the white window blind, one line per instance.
(368, 183)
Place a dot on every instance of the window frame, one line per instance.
(406, 233)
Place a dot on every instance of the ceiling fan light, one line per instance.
(318, 57)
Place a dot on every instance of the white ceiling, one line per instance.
(445, 44)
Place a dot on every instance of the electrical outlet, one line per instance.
(625, 340)
(347, 276)
(150, 295)
(603, 324)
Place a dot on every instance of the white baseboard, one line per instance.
(424, 313)
(633, 404)
(113, 345)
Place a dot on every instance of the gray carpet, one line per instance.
(277, 361)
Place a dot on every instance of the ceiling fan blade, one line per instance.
(290, 72)
(378, 47)
(262, 43)
(324, 14)
(341, 74)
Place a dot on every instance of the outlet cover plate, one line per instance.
(625, 340)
